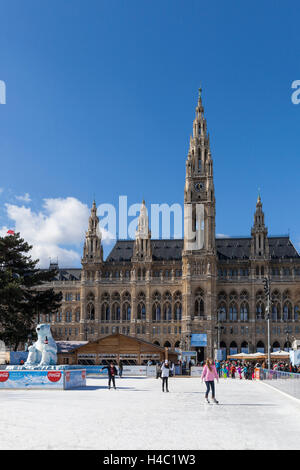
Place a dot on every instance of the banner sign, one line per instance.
(39, 379)
(199, 340)
(32, 379)
(75, 378)
(196, 371)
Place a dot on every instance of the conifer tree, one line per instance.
(22, 296)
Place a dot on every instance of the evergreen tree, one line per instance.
(22, 296)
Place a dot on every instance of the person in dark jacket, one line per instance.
(112, 372)
(120, 368)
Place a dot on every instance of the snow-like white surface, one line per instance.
(139, 416)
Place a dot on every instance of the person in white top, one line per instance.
(165, 372)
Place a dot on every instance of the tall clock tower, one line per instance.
(199, 253)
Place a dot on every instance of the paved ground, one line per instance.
(139, 416)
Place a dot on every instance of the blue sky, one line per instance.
(100, 101)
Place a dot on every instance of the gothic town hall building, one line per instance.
(164, 291)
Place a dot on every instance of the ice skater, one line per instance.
(209, 374)
(165, 373)
(112, 372)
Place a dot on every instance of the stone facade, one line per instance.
(164, 291)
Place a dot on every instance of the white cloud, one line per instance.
(58, 230)
(1, 190)
(25, 198)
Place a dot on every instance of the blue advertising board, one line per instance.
(32, 379)
(74, 378)
(199, 340)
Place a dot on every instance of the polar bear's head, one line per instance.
(43, 330)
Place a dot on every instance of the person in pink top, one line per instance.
(209, 374)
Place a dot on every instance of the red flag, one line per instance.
(10, 232)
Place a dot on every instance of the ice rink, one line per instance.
(138, 415)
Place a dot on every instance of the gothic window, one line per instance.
(126, 312)
(177, 311)
(77, 315)
(275, 312)
(296, 312)
(287, 311)
(260, 347)
(156, 312)
(199, 303)
(167, 312)
(90, 311)
(233, 311)
(260, 310)
(167, 344)
(222, 311)
(244, 310)
(115, 312)
(105, 312)
(141, 311)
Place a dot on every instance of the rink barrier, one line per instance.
(42, 379)
(196, 371)
(287, 382)
(128, 371)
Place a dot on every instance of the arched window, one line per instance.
(115, 312)
(222, 313)
(177, 344)
(156, 312)
(167, 312)
(156, 342)
(156, 307)
(105, 312)
(260, 347)
(276, 346)
(245, 347)
(141, 307)
(244, 310)
(233, 311)
(260, 310)
(199, 303)
(77, 315)
(233, 348)
(90, 311)
(167, 344)
(287, 311)
(177, 311)
(296, 312)
(126, 312)
(141, 311)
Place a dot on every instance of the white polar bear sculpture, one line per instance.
(44, 351)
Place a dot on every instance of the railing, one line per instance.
(287, 382)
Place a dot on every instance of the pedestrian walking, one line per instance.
(209, 374)
(120, 368)
(158, 370)
(112, 372)
(165, 373)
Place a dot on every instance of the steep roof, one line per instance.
(227, 248)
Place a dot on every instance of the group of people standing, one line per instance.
(238, 369)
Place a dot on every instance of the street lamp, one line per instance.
(219, 327)
(266, 282)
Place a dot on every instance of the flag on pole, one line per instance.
(10, 232)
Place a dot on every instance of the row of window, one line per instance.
(259, 271)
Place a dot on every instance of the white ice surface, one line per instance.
(139, 416)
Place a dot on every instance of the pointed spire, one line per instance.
(259, 232)
(92, 247)
(143, 223)
(142, 244)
